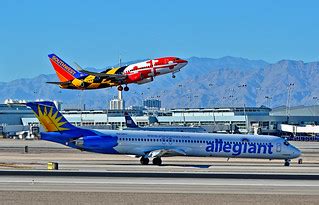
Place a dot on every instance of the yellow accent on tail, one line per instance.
(50, 121)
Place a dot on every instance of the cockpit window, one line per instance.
(286, 142)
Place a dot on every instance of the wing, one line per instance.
(61, 83)
(112, 77)
(166, 153)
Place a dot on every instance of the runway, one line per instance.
(109, 179)
(159, 190)
(159, 185)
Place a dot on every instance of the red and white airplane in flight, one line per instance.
(139, 73)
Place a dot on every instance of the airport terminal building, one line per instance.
(261, 120)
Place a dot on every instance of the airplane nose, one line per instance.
(182, 61)
(296, 152)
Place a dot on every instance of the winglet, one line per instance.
(78, 67)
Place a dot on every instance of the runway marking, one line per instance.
(163, 181)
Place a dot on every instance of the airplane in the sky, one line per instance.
(156, 145)
(139, 73)
(131, 125)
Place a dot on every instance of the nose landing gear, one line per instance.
(287, 162)
(173, 76)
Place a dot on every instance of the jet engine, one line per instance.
(135, 77)
(78, 83)
(103, 144)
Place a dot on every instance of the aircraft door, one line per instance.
(278, 147)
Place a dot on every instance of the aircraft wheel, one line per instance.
(173, 76)
(157, 161)
(287, 163)
(120, 88)
(144, 161)
(126, 88)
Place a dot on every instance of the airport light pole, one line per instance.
(315, 98)
(243, 86)
(258, 91)
(223, 101)
(289, 88)
(210, 85)
(268, 99)
(196, 99)
(231, 96)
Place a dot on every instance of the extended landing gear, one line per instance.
(157, 161)
(120, 88)
(287, 162)
(173, 76)
(144, 161)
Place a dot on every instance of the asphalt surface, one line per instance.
(88, 178)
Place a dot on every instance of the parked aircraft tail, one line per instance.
(64, 71)
(129, 121)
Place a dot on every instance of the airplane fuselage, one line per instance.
(139, 73)
(140, 143)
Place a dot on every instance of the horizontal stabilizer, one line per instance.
(60, 83)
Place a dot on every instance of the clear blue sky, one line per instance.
(93, 33)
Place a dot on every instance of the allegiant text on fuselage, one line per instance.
(238, 148)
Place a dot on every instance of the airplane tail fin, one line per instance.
(64, 71)
(49, 116)
(129, 121)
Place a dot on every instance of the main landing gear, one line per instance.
(287, 162)
(173, 76)
(144, 161)
(120, 88)
(156, 161)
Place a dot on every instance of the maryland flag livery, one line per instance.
(139, 73)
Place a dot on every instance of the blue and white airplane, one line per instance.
(131, 125)
(159, 144)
